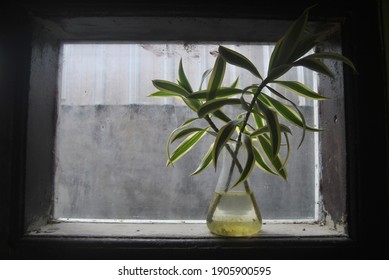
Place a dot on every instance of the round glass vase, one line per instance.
(233, 210)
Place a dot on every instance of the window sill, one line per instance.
(176, 230)
(83, 240)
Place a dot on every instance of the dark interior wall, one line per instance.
(367, 105)
(385, 31)
(14, 63)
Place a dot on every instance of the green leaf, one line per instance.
(164, 94)
(274, 126)
(176, 90)
(260, 162)
(315, 65)
(264, 143)
(278, 71)
(237, 59)
(258, 120)
(274, 55)
(235, 83)
(205, 162)
(183, 79)
(288, 150)
(288, 113)
(185, 146)
(305, 44)
(289, 42)
(188, 122)
(192, 104)
(170, 87)
(220, 93)
(222, 138)
(334, 56)
(275, 161)
(244, 104)
(250, 162)
(300, 89)
(216, 78)
(204, 76)
(215, 104)
(184, 132)
(266, 129)
(173, 133)
(221, 116)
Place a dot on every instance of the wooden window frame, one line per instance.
(367, 208)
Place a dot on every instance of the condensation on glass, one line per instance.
(110, 137)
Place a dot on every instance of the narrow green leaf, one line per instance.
(164, 94)
(244, 104)
(192, 103)
(275, 161)
(267, 148)
(266, 129)
(274, 126)
(250, 162)
(170, 87)
(300, 89)
(183, 79)
(288, 113)
(290, 41)
(185, 146)
(216, 78)
(215, 104)
(180, 93)
(291, 115)
(260, 162)
(275, 54)
(287, 151)
(278, 71)
(204, 76)
(235, 83)
(205, 162)
(186, 123)
(184, 132)
(199, 95)
(258, 120)
(221, 116)
(305, 44)
(222, 138)
(237, 59)
(220, 93)
(315, 65)
(334, 56)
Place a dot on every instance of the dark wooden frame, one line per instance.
(366, 131)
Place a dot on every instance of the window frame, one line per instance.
(24, 245)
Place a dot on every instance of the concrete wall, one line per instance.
(110, 163)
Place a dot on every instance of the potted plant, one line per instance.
(254, 135)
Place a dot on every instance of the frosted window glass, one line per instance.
(110, 137)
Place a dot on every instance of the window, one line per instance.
(32, 64)
(104, 143)
(110, 137)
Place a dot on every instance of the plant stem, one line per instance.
(246, 119)
(233, 155)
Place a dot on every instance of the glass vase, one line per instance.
(233, 210)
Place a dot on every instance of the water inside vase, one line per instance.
(234, 214)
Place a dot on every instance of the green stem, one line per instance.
(233, 155)
(244, 124)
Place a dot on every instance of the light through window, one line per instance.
(110, 137)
